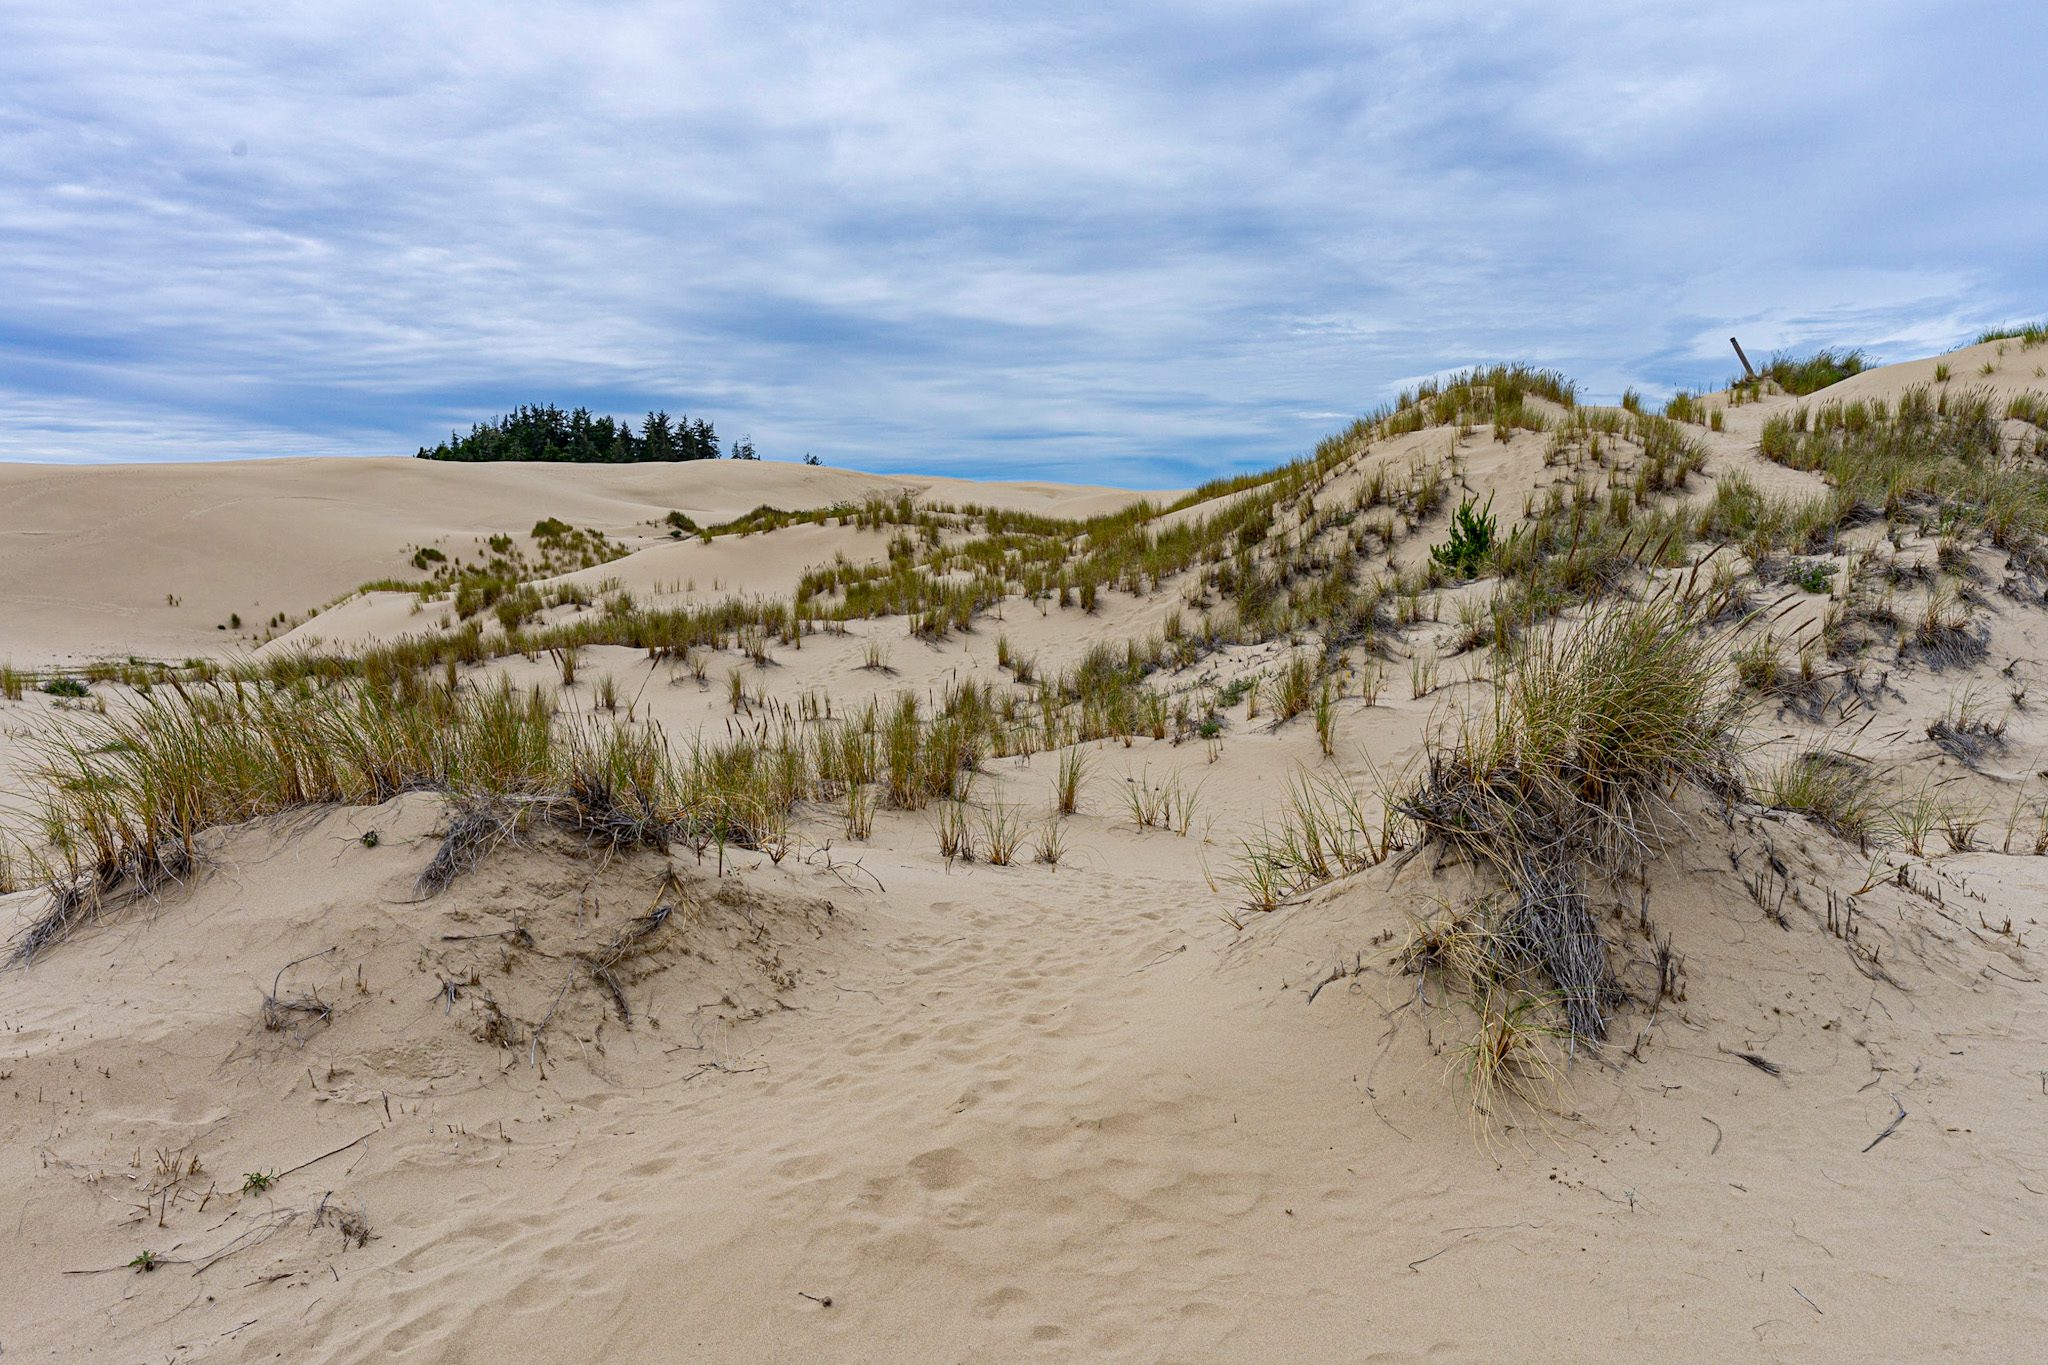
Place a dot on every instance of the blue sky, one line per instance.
(1135, 244)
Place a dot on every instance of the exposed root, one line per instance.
(476, 825)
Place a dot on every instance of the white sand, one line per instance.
(988, 1113)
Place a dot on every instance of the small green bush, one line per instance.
(1473, 533)
(1815, 577)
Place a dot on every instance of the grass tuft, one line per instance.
(1591, 729)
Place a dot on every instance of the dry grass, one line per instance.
(120, 797)
(1832, 787)
(1591, 730)
(1326, 828)
(1513, 1053)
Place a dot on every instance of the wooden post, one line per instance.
(1747, 368)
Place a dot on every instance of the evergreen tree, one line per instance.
(536, 432)
(703, 441)
(657, 437)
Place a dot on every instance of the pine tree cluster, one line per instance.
(534, 432)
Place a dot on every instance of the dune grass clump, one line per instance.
(1937, 461)
(2026, 333)
(1294, 688)
(1326, 828)
(1511, 1053)
(1832, 787)
(1073, 772)
(1572, 774)
(124, 793)
(1801, 375)
(122, 796)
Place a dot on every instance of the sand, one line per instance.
(152, 560)
(861, 1103)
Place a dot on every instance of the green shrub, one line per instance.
(1816, 577)
(1473, 532)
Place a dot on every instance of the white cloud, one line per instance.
(1142, 242)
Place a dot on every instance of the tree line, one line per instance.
(535, 432)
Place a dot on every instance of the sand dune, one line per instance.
(92, 556)
(836, 1097)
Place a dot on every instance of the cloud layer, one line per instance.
(1119, 243)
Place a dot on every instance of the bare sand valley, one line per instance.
(903, 1072)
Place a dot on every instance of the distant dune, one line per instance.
(91, 554)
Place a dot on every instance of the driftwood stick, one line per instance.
(324, 1155)
(1747, 368)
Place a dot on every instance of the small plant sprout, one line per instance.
(860, 811)
(256, 1182)
(144, 1262)
(1326, 719)
(1073, 771)
(1051, 844)
(1001, 832)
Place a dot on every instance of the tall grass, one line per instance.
(1938, 460)
(121, 797)
(1571, 773)
(1073, 771)
(1326, 827)
(2026, 333)
(1801, 375)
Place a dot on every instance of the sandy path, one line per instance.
(1019, 1113)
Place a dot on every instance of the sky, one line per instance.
(1135, 244)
